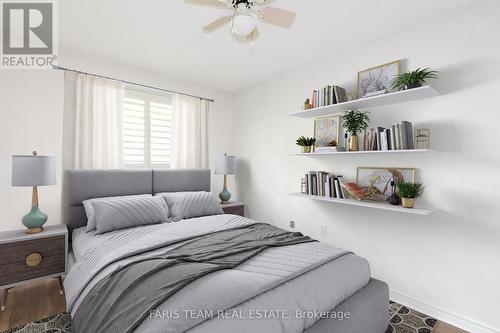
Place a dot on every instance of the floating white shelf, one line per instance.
(369, 204)
(369, 102)
(405, 151)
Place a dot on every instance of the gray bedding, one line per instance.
(123, 299)
(304, 276)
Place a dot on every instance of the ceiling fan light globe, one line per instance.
(244, 25)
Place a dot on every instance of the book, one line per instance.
(407, 134)
(332, 92)
(383, 140)
(341, 182)
(340, 94)
(393, 137)
(398, 136)
(354, 190)
(338, 192)
(380, 132)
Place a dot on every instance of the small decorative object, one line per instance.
(355, 122)
(394, 198)
(409, 191)
(356, 192)
(351, 95)
(33, 171)
(326, 131)
(306, 144)
(225, 165)
(377, 79)
(307, 104)
(379, 179)
(422, 138)
(413, 79)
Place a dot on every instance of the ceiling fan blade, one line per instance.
(217, 23)
(210, 3)
(279, 17)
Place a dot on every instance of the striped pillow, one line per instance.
(121, 213)
(89, 210)
(185, 205)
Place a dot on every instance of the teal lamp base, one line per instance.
(34, 220)
(224, 196)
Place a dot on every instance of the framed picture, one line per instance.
(379, 179)
(377, 80)
(326, 131)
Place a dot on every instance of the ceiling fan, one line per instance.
(245, 15)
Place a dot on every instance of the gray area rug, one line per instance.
(402, 320)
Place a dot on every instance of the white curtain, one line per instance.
(189, 133)
(93, 116)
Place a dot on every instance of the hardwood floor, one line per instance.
(32, 302)
(41, 300)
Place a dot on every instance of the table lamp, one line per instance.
(225, 165)
(33, 170)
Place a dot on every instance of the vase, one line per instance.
(408, 202)
(353, 143)
(412, 86)
(306, 149)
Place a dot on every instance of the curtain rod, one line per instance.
(132, 83)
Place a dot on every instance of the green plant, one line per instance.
(410, 190)
(413, 78)
(306, 142)
(355, 121)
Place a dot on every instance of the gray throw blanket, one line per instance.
(123, 299)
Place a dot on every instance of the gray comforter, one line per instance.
(124, 298)
(303, 276)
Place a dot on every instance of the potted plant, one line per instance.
(355, 122)
(409, 192)
(306, 143)
(413, 79)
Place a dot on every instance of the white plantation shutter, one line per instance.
(147, 130)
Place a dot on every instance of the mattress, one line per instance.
(296, 279)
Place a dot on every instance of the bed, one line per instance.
(305, 287)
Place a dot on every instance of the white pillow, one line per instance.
(185, 205)
(89, 210)
(121, 213)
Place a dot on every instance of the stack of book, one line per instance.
(328, 95)
(396, 137)
(324, 184)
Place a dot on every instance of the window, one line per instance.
(147, 130)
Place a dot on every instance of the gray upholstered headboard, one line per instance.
(81, 185)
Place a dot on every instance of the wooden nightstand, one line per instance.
(29, 257)
(236, 208)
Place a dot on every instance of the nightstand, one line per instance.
(29, 257)
(236, 208)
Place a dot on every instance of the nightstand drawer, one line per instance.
(16, 252)
(235, 210)
(21, 271)
(32, 258)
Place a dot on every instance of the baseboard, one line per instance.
(443, 315)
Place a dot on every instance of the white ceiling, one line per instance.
(164, 36)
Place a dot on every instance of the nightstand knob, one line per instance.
(34, 259)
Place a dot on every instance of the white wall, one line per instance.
(30, 119)
(31, 116)
(449, 260)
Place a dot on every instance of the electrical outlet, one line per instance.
(324, 231)
(292, 224)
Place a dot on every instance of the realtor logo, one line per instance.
(28, 34)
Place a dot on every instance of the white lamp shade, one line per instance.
(225, 165)
(29, 170)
